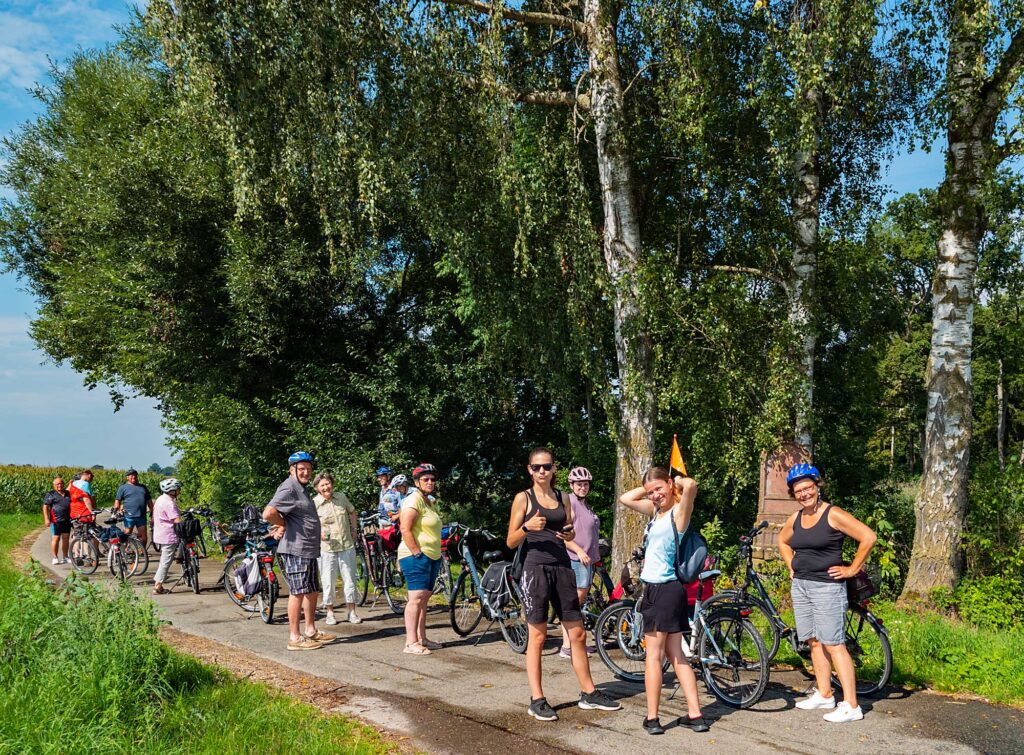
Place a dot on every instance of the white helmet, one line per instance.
(400, 479)
(170, 485)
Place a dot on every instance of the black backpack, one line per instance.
(495, 585)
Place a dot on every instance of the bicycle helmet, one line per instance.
(298, 456)
(799, 472)
(580, 474)
(400, 479)
(170, 485)
(384, 470)
(423, 469)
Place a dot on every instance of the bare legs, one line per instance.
(659, 645)
(580, 663)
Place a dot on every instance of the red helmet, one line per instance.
(423, 469)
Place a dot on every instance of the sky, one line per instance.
(47, 416)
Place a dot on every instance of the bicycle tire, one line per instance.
(395, 591)
(869, 647)
(266, 596)
(464, 610)
(116, 564)
(513, 622)
(362, 578)
(228, 578)
(760, 617)
(85, 559)
(624, 656)
(444, 584)
(597, 600)
(193, 572)
(141, 558)
(738, 675)
(200, 545)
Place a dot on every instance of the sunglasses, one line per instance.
(538, 467)
(428, 479)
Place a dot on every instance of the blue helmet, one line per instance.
(298, 456)
(384, 470)
(801, 472)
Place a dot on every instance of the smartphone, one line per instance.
(568, 528)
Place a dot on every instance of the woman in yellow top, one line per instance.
(419, 557)
(337, 545)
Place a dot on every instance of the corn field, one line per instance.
(22, 487)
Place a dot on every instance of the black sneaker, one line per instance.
(695, 724)
(540, 710)
(653, 726)
(598, 700)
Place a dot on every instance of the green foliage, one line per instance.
(991, 602)
(994, 539)
(93, 661)
(22, 487)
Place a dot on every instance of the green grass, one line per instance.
(84, 671)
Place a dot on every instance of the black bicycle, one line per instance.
(260, 551)
(377, 564)
(867, 639)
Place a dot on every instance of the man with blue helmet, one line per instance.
(294, 521)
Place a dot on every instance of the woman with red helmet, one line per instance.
(419, 557)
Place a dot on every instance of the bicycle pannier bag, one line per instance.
(691, 552)
(247, 577)
(859, 588)
(390, 538)
(187, 529)
(494, 584)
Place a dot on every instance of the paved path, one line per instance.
(473, 698)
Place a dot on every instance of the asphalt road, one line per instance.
(472, 698)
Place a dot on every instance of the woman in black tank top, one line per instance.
(811, 543)
(541, 521)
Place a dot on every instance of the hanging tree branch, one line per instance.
(1007, 71)
(532, 18)
(743, 270)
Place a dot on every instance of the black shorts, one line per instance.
(664, 607)
(549, 584)
(61, 528)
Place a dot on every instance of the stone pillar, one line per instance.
(774, 503)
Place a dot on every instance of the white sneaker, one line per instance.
(353, 618)
(844, 713)
(330, 619)
(816, 701)
(55, 561)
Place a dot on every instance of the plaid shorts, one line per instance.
(302, 574)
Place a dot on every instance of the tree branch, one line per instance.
(556, 99)
(756, 271)
(1009, 149)
(532, 18)
(1009, 68)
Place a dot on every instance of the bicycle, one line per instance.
(722, 645)
(187, 530)
(118, 555)
(260, 547)
(377, 564)
(209, 523)
(90, 543)
(449, 545)
(867, 639)
(470, 602)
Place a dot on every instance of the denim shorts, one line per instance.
(131, 522)
(584, 575)
(420, 571)
(819, 609)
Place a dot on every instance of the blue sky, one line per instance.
(41, 402)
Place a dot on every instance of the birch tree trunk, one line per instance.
(941, 505)
(800, 286)
(1001, 419)
(621, 246)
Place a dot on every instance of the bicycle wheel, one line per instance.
(362, 578)
(85, 559)
(228, 578)
(394, 585)
(136, 556)
(597, 600)
(192, 559)
(733, 658)
(200, 545)
(116, 563)
(760, 616)
(870, 650)
(513, 621)
(620, 640)
(464, 605)
(443, 585)
(266, 596)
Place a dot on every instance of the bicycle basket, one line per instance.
(188, 529)
(495, 585)
(860, 588)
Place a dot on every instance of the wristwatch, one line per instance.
(524, 528)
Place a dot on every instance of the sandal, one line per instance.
(431, 645)
(416, 648)
(160, 590)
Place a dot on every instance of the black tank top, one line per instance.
(542, 547)
(816, 549)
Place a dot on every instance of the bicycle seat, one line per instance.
(709, 574)
(112, 520)
(492, 556)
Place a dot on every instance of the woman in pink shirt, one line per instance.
(165, 515)
(583, 550)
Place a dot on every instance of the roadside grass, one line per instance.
(82, 670)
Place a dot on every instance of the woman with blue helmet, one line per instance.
(811, 543)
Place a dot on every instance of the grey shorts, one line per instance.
(819, 609)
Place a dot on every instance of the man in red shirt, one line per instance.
(82, 502)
